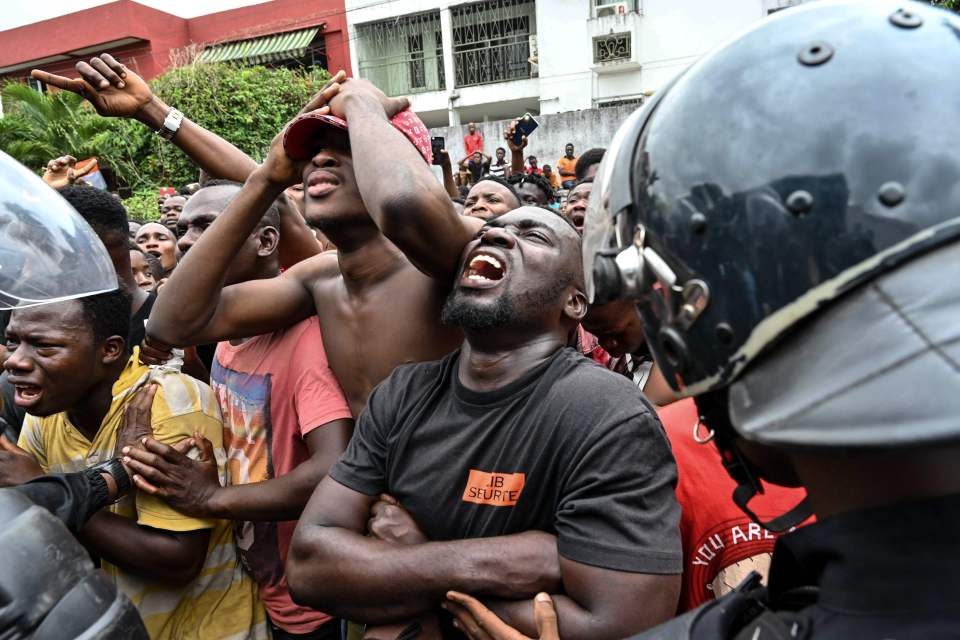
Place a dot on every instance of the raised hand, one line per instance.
(392, 523)
(477, 622)
(16, 465)
(508, 136)
(112, 89)
(279, 168)
(186, 485)
(60, 172)
(353, 88)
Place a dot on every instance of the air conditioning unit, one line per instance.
(612, 9)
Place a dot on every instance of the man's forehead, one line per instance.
(210, 200)
(534, 215)
(53, 316)
(488, 186)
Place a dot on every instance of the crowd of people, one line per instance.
(333, 397)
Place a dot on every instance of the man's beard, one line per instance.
(462, 310)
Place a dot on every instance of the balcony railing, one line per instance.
(498, 63)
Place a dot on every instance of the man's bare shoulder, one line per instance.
(323, 266)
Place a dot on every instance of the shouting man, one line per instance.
(539, 489)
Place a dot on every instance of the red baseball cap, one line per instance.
(300, 138)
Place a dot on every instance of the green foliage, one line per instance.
(41, 127)
(142, 205)
(246, 105)
(952, 5)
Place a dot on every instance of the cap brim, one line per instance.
(300, 138)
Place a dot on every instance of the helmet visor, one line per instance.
(48, 252)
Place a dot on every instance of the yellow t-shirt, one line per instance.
(221, 602)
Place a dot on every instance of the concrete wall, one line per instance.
(585, 129)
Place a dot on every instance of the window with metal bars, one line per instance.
(615, 47)
(491, 41)
(402, 55)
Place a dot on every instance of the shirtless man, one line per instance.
(378, 298)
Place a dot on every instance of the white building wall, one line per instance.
(666, 36)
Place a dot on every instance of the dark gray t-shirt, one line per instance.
(569, 448)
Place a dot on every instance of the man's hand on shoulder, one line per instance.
(16, 465)
(136, 423)
(187, 485)
(112, 89)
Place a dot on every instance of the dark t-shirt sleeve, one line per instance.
(363, 465)
(618, 508)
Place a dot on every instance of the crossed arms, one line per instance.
(334, 567)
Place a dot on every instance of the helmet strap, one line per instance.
(714, 413)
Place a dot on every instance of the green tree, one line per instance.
(40, 127)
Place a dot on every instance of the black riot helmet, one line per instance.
(811, 157)
(779, 172)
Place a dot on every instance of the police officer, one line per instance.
(787, 216)
(49, 588)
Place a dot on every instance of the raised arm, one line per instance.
(332, 566)
(400, 191)
(448, 183)
(116, 91)
(516, 150)
(194, 307)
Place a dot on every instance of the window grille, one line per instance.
(402, 55)
(612, 48)
(491, 41)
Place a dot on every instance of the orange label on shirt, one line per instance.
(494, 489)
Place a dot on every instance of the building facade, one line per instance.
(278, 32)
(485, 60)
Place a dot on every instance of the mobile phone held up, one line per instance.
(525, 126)
(437, 145)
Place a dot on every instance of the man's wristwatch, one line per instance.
(171, 124)
(115, 469)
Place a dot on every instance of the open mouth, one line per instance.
(577, 217)
(320, 183)
(26, 394)
(155, 253)
(483, 271)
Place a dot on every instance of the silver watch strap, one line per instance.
(171, 124)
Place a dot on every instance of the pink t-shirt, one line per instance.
(273, 390)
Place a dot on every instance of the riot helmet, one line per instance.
(48, 253)
(780, 175)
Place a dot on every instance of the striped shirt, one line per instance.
(221, 602)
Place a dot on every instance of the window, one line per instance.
(604, 8)
(491, 41)
(402, 55)
(615, 47)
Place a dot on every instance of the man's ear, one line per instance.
(576, 307)
(268, 238)
(114, 348)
